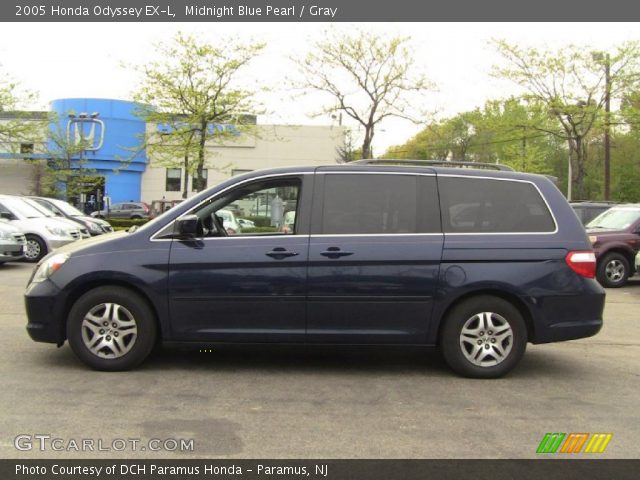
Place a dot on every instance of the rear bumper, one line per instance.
(560, 332)
(568, 317)
(44, 308)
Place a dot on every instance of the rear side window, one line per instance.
(379, 204)
(478, 205)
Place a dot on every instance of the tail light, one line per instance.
(146, 208)
(583, 262)
(231, 231)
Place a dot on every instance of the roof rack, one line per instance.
(432, 163)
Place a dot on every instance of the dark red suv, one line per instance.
(615, 236)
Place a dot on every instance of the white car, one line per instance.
(84, 231)
(229, 222)
(43, 234)
(12, 243)
(244, 223)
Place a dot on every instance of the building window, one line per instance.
(174, 175)
(239, 171)
(194, 181)
(26, 148)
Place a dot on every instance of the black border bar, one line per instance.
(547, 469)
(324, 11)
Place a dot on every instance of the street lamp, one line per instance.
(79, 139)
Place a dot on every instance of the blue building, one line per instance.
(112, 135)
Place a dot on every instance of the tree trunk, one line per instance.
(366, 144)
(185, 190)
(579, 170)
(201, 156)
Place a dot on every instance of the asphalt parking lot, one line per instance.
(322, 403)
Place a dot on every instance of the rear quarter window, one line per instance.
(479, 205)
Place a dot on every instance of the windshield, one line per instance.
(615, 219)
(45, 211)
(67, 208)
(21, 208)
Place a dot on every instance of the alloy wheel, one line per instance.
(614, 271)
(109, 330)
(486, 339)
(33, 249)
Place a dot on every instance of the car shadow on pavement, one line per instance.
(292, 359)
(332, 360)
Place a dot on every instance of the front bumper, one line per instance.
(10, 252)
(57, 242)
(45, 312)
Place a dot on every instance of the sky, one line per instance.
(60, 60)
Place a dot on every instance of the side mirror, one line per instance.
(189, 226)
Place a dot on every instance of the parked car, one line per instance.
(373, 258)
(587, 211)
(244, 223)
(615, 236)
(12, 243)
(84, 232)
(60, 208)
(132, 210)
(43, 234)
(229, 222)
(158, 207)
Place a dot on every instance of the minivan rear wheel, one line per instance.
(483, 337)
(613, 270)
(111, 329)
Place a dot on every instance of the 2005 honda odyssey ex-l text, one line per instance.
(476, 262)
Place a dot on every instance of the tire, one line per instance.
(504, 346)
(136, 217)
(128, 336)
(35, 249)
(613, 270)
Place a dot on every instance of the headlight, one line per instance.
(49, 266)
(93, 227)
(58, 231)
(5, 235)
(593, 239)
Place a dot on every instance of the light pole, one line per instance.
(79, 140)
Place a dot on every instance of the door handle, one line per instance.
(279, 253)
(335, 252)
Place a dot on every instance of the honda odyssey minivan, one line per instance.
(476, 262)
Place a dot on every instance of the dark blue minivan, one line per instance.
(473, 261)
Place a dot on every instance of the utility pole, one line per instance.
(607, 127)
(524, 148)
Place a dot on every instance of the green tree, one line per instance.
(194, 91)
(364, 75)
(499, 132)
(570, 84)
(17, 129)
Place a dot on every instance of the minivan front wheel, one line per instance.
(111, 329)
(35, 248)
(483, 337)
(613, 270)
